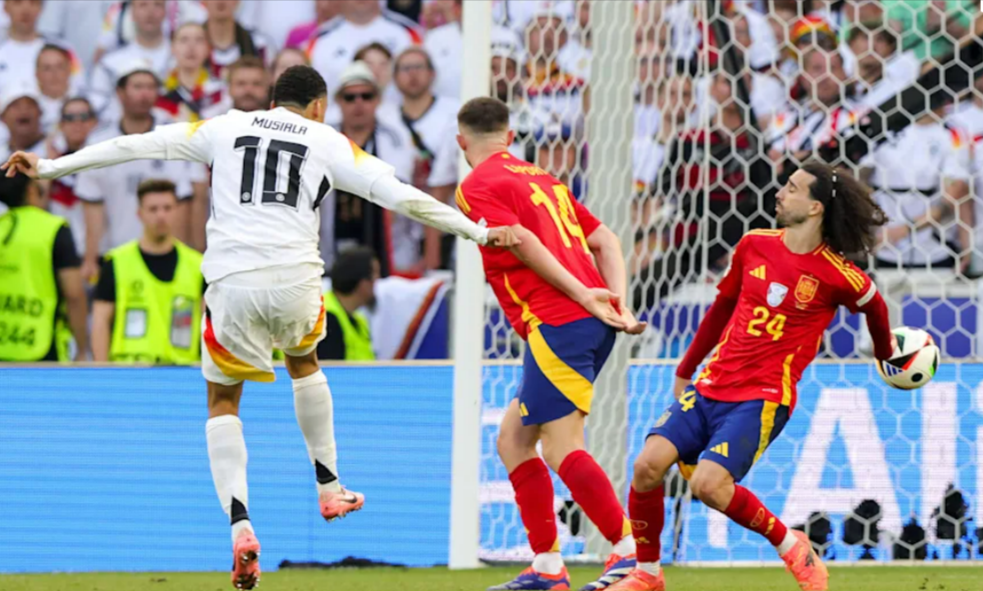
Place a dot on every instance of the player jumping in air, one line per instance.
(568, 310)
(270, 172)
(776, 300)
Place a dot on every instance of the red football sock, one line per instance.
(748, 511)
(592, 490)
(648, 513)
(534, 495)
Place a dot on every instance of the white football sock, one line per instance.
(787, 544)
(626, 546)
(652, 568)
(315, 415)
(548, 563)
(227, 456)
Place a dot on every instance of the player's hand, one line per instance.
(632, 325)
(605, 306)
(24, 162)
(680, 386)
(502, 237)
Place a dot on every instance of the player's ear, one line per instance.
(511, 138)
(462, 142)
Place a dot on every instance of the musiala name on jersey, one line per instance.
(274, 125)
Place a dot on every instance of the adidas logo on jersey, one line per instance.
(758, 273)
(723, 449)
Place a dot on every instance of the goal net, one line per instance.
(728, 97)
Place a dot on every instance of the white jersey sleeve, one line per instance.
(356, 171)
(180, 141)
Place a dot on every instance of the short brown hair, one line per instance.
(246, 62)
(417, 50)
(484, 115)
(155, 186)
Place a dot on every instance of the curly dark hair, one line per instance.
(850, 215)
(299, 86)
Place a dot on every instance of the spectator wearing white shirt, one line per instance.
(288, 58)
(120, 28)
(150, 46)
(77, 120)
(230, 40)
(20, 112)
(54, 73)
(347, 220)
(275, 19)
(190, 91)
(360, 23)
(920, 179)
(882, 72)
(109, 194)
(249, 84)
(432, 123)
(301, 35)
(19, 53)
(445, 45)
(74, 22)
(576, 54)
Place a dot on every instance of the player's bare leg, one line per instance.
(563, 449)
(715, 487)
(646, 507)
(315, 415)
(534, 495)
(227, 456)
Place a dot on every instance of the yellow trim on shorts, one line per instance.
(686, 470)
(571, 384)
(768, 412)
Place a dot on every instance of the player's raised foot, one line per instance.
(639, 580)
(335, 505)
(245, 561)
(806, 566)
(530, 580)
(615, 569)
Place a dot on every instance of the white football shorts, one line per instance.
(249, 314)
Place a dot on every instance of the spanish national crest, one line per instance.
(806, 289)
(776, 294)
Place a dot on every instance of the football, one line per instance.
(914, 361)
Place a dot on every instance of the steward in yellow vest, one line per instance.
(149, 298)
(352, 281)
(41, 291)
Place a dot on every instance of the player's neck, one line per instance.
(803, 238)
(414, 108)
(478, 155)
(150, 245)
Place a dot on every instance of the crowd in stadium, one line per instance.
(74, 73)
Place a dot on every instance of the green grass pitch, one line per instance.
(439, 579)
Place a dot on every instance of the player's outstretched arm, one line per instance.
(706, 338)
(602, 303)
(168, 142)
(393, 194)
(606, 247)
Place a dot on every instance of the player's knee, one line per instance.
(648, 474)
(301, 367)
(711, 490)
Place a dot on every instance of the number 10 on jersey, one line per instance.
(250, 146)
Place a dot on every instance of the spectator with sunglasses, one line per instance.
(77, 119)
(347, 220)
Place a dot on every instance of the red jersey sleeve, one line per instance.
(855, 289)
(490, 202)
(730, 285)
(588, 222)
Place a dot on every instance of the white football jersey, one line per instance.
(270, 171)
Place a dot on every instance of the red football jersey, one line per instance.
(785, 301)
(504, 191)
